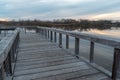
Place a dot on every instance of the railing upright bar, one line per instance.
(10, 63)
(55, 37)
(48, 34)
(77, 46)
(67, 41)
(45, 33)
(60, 40)
(41, 32)
(116, 65)
(51, 36)
(91, 52)
(2, 73)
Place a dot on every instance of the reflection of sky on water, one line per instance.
(103, 55)
(113, 33)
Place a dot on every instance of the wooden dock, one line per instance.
(40, 55)
(40, 59)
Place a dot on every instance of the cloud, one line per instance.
(109, 16)
(4, 19)
(50, 9)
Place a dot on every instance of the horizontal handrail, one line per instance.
(89, 37)
(6, 29)
(8, 47)
(48, 33)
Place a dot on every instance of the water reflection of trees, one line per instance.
(67, 24)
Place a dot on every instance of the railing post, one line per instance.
(60, 40)
(51, 36)
(25, 30)
(67, 41)
(76, 46)
(42, 32)
(55, 37)
(45, 33)
(5, 33)
(2, 73)
(10, 63)
(91, 52)
(48, 34)
(12, 51)
(116, 65)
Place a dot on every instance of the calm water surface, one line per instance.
(113, 33)
(103, 54)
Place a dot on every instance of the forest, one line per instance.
(64, 23)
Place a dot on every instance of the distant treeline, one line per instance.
(64, 23)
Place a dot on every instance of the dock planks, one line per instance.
(39, 59)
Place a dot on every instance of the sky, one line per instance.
(59, 9)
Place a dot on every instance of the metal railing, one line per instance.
(8, 54)
(49, 32)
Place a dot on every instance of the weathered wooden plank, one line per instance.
(44, 58)
(38, 48)
(93, 76)
(49, 68)
(25, 66)
(50, 73)
(37, 64)
(70, 75)
(41, 55)
(30, 53)
(46, 61)
(39, 51)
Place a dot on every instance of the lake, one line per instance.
(103, 54)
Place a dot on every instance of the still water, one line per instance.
(103, 55)
(113, 33)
